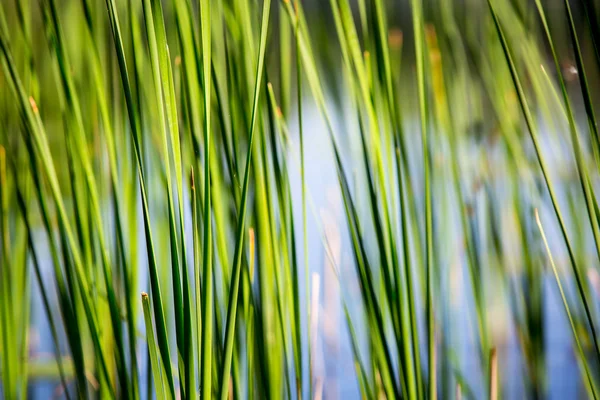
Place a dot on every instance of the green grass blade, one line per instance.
(423, 111)
(153, 347)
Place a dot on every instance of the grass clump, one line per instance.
(417, 174)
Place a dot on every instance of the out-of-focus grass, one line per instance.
(447, 129)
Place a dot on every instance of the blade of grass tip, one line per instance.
(419, 54)
(533, 134)
(237, 266)
(152, 346)
(207, 290)
(582, 356)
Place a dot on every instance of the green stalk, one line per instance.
(207, 270)
(418, 33)
(304, 217)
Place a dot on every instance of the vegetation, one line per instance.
(168, 231)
